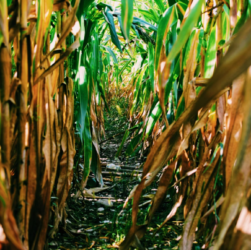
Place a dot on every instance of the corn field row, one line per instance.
(184, 67)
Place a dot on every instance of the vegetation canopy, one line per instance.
(148, 100)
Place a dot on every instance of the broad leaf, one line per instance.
(127, 16)
(114, 36)
(190, 22)
(111, 53)
(160, 5)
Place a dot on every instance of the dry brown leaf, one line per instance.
(5, 74)
(65, 169)
(240, 238)
(162, 78)
(201, 196)
(71, 20)
(157, 200)
(227, 71)
(218, 203)
(162, 188)
(68, 150)
(174, 210)
(240, 171)
(234, 127)
(188, 85)
(7, 219)
(199, 124)
(32, 176)
(154, 163)
(62, 58)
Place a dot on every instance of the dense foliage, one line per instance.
(183, 66)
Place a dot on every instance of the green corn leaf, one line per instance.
(83, 5)
(140, 22)
(95, 56)
(122, 143)
(136, 31)
(148, 15)
(83, 96)
(102, 92)
(155, 14)
(101, 6)
(87, 149)
(114, 36)
(134, 143)
(163, 29)
(186, 28)
(96, 165)
(225, 25)
(137, 88)
(126, 16)
(160, 5)
(172, 79)
(82, 31)
(117, 73)
(101, 64)
(210, 57)
(171, 2)
(89, 25)
(109, 50)
(181, 7)
(188, 48)
(121, 26)
(240, 22)
(147, 92)
(154, 117)
(124, 67)
(151, 65)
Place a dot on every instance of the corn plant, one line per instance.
(198, 78)
(184, 67)
(51, 57)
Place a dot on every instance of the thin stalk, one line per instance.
(22, 110)
(5, 79)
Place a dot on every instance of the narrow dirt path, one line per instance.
(98, 220)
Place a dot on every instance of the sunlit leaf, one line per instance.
(114, 36)
(127, 16)
(190, 22)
